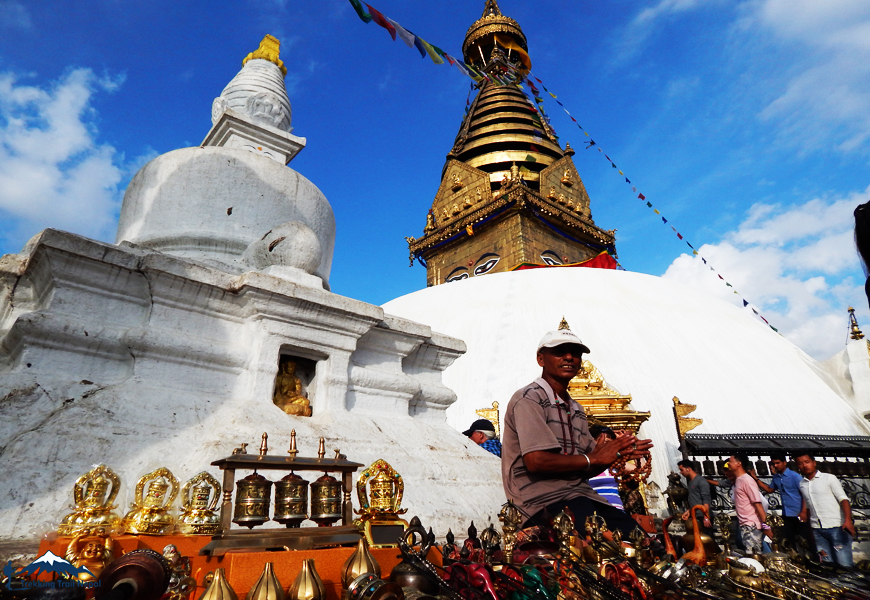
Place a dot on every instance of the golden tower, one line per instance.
(509, 193)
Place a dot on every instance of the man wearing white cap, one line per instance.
(548, 454)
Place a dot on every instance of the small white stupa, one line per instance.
(164, 349)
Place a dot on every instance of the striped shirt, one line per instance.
(607, 488)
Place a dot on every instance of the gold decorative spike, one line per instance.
(149, 513)
(563, 324)
(219, 588)
(854, 331)
(685, 424)
(293, 451)
(380, 504)
(602, 403)
(270, 49)
(359, 563)
(199, 498)
(491, 415)
(93, 494)
(264, 445)
(308, 585)
(569, 150)
(267, 587)
(321, 448)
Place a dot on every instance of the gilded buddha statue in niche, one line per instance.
(289, 396)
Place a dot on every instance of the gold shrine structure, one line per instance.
(510, 194)
(602, 404)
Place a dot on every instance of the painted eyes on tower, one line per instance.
(486, 263)
(551, 258)
(457, 274)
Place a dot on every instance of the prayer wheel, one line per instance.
(326, 500)
(291, 500)
(253, 496)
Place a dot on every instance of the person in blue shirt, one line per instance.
(482, 433)
(788, 484)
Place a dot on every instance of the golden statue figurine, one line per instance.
(457, 182)
(149, 513)
(479, 194)
(91, 552)
(552, 194)
(289, 396)
(567, 178)
(198, 516)
(430, 223)
(93, 494)
(380, 506)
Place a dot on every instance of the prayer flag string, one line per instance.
(513, 76)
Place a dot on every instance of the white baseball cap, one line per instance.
(552, 339)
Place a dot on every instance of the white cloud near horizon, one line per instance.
(796, 265)
(53, 171)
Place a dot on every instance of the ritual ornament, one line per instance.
(369, 586)
(359, 563)
(219, 588)
(511, 519)
(308, 585)
(181, 584)
(253, 498)
(325, 500)
(291, 500)
(93, 494)
(379, 490)
(90, 550)
(199, 498)
(267, 587)
(150, 512)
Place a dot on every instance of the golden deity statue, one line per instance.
(149, 513)
(479, 194)
(457, 182)
(289, 396)
(430, 223)
(93, 494)
(199, 497)
(380, 505)
(552, 194)
(91, 551)
(567, 178)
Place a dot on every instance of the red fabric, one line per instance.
(378, 18)
(602, 261)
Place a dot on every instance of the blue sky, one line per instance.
(746, 123)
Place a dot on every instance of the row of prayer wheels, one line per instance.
(254, 494)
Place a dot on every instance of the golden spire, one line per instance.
(564, 324)
(854, 330)
(269, 50)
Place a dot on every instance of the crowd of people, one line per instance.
(553, 460)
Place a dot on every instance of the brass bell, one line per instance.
(326, 500)
(253, 496)
(291, 500)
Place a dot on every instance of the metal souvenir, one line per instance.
(359, 563)
(93, 494)
(199, 498)
(326, 500)
(511, 519)
(291, 500)
(149, 513)
(219, 588)
(370, 587)
(91, 550)
(308, 585)
(181, 584)
(267, 587)
(379, 490)
(253, 498)
(406, 574)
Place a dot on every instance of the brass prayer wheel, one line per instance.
(326, 500)
(253, 496)
(291, 500)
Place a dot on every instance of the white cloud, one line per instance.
(797, 266)
(53, 171)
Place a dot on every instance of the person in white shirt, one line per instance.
(827, 508)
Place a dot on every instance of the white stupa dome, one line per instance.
(650, 337)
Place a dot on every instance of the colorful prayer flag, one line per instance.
(679, 236)
(641, 196)
(745, 304)
(664, 220)
(694, 253)
(530, 158)
(381, 20)
(405, 35)
(360, 11)
(430, 50)
(649, 205)
(656, 211)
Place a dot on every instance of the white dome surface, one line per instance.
(650, 337)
